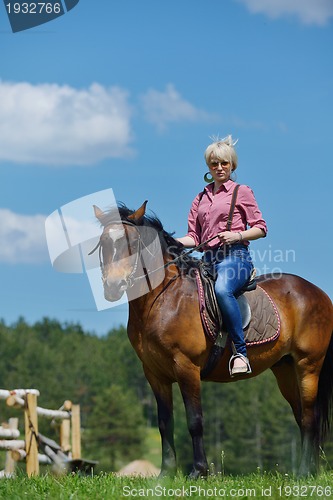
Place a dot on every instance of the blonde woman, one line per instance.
(229, 251)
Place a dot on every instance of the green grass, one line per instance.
(109, 487)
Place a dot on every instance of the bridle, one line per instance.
(131, 279)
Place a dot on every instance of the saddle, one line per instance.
(260, 317)
(209, 308)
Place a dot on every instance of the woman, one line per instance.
(229, 250)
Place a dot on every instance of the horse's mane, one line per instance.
(152, 221)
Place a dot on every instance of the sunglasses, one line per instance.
(214, 164)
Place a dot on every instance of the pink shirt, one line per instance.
(209, 216)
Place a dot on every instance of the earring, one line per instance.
(208, 178)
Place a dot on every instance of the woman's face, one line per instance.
(220, 170)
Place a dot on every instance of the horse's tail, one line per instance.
(324, 402)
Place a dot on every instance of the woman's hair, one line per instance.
(222, 149)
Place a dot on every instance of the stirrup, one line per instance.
(242, 370)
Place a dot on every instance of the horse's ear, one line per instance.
(139, 213)
(98, 213)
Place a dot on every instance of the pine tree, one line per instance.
(115, 423)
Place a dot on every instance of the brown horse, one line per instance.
(166, 332)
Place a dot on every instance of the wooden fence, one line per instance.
(35, 448)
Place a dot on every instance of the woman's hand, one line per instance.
(229, 237)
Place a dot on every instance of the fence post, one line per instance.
(31, 435)
(65, 429)
(76, 432)
(10, 462)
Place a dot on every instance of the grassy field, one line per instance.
(108, 486)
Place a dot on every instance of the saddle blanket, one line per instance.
(264, 325)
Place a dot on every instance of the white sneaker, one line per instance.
(239, 365)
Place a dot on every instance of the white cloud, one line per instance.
(22, 238)
(163, 108)
(308, 11)
(51, 124)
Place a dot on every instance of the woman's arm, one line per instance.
(254, 233)
(187, 241)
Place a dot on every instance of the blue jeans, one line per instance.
(233, 267)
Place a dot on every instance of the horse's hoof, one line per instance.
(198, 474)
(167, 473)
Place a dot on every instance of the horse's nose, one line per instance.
(120, 285)
(113, 290)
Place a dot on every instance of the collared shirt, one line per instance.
(208, 215)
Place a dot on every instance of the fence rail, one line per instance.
(36, 448)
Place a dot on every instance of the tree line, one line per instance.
(248, 425)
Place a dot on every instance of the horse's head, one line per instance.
(119, 250)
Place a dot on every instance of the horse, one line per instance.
(165, 329)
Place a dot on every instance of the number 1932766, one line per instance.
(33, 8)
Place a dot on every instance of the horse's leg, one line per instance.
(286, 378)
(308, 383)
(190, 387)
(298, 383)
(163, 396)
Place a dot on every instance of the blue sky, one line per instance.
(126, 95)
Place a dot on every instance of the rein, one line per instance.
(131, 279)
(179, 257)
